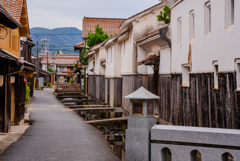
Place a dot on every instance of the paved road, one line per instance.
(57, 134)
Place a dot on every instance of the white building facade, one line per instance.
(204, 77)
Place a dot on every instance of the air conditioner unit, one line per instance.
(1, 80)
(12, 80)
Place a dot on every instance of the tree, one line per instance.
(93, 39)
(97, 37)
(50, 69)
(84, 61)
(165, 15)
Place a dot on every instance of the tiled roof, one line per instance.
(66, 56)
(148, 60)
(109, 25)
(60, 61)
(14, 7)
(80, 44)
(6, 13)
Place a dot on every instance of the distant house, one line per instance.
(44, 76)
(109, 26)
(62, 65)
(65, 69)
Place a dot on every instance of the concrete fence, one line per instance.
(178, 143)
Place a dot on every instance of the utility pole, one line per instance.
(47, 59)
(45, 42)
(37, 70)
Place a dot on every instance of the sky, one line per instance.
(69, 13)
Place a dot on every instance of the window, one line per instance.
(150, 108)
(196, 156)
(191, 25)
(10, 39)
(137, 108)
(166, 154)
(238, 75)
(179, 31)
(215, 68)
(229, 13)
(208, 18)
(227, 157)
(13, 42)
(185, 75)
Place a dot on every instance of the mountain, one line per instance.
(57, 41)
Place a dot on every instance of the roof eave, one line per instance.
(13, 24)
(128, 22)
(172, 3)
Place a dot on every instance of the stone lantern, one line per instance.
(140, 122)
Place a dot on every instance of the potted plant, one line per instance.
(41, 87)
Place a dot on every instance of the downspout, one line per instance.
(162, 33)
(5, 112)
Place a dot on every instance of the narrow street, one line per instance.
(57, 134)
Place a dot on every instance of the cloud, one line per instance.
(69, 13)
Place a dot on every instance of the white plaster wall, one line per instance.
(113, 61)
(97, 63)
(126, 56)
(117, 60)
(44, 67)
(90, 66)
(110, 62)
(146, 24)
(164, 64)
(102, 56)
(221, 45)
(142, 55)
(87, 70)
(60, 69)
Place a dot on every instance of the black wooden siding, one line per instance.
(96, 87)
(131, 83)
(200, 104)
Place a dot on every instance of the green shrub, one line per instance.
(165, 15)
(49, 85)
(50, 69)
(75, 66)
(27, 98)
(70, 80)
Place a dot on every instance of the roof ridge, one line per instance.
(104, 18)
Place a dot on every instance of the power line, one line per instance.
(57, 34)
(59, 46)
(59, 50)
(52, 49)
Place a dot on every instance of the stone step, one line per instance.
(89, 106)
